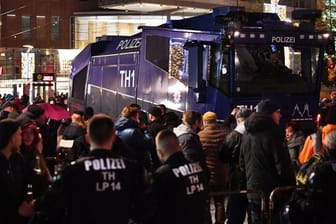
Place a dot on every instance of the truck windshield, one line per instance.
(262, 69)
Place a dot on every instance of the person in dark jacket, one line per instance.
(143, 125)
(76, 128)
(212, 137)
(81, 148)
(264, 156)
(229, 152)
(188, 138)
(14, 209)
(130, 133)
(155, 120)
(99, 188)
(179, 187)
(31, 150)
(154, 126)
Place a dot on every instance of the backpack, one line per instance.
(307, 168)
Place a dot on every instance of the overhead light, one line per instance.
(28, 46)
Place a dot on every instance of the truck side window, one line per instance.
(157, 51)
(245, 64)
(78, 92)
(219, 74)
(279, 69)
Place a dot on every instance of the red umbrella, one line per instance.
(53, 111)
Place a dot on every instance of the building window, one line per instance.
(40, 24)
(55, 28)
(26, 27)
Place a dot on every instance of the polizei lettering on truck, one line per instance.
(129, 44)
(287, 40)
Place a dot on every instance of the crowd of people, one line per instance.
(154, 166)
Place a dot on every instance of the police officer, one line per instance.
(99, 188)
(179, 187)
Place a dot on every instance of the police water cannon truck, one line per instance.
(213, 62)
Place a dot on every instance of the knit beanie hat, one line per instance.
(7, 128)
(243, 113)
(155, 111)
(171, 119)
(35, 110)
(267, 106)
(9, 97)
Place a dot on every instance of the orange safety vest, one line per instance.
(308, 149)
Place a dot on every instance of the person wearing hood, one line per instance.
(229, 153)
(128, 130)
(264, 157)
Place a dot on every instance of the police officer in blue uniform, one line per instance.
(179, 187)
(99, 188)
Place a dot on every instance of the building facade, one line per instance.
(62, 24)
(40, 23)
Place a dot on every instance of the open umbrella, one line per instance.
(53, 111)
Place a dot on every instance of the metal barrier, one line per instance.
(274, 193)
(266, 212)
(248, 191)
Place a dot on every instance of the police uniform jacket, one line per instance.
(179, 191)
(100, 188)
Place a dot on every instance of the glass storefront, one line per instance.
(88, 28)
(38, 72)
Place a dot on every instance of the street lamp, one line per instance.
(30, 64)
